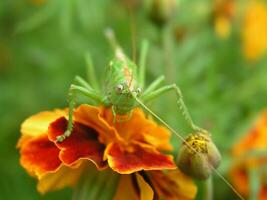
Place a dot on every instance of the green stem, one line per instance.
(167, 46)
(254, 184)
(208, 189)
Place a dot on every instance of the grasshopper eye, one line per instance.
(138, 90)
(119, 88)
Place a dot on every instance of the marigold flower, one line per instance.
(254, 32)
(132, 148)
(254, 140)
(224, 11)
(161, 11)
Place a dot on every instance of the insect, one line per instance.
(124, 87)
(124, 90)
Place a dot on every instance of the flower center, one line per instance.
(198, 144)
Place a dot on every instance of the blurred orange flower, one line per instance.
(224, 11)
(254, 32)
(254, 140)
(37, 2)
(126, 148)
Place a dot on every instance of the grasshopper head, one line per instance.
(123, 97)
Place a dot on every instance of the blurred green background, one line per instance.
(42, 46)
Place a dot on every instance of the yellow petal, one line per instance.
(222, 27)
(63, 177)
(173, 185)
(254, 33)
(126, 189)
(145, 190)
(38, 124)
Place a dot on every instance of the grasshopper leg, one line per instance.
(73, 92)
(80, 81)
(154, 85)
(173, 87)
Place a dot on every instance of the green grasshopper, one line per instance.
(123, 91)
(124, 84)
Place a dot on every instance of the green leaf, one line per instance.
(38, 18)
(66, 16)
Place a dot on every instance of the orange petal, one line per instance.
(82, 144)
(64, 176)
(256, 138)
(255, 30)
(263, 193)
(39, 156)
(126, 159)
(38, 124)
(91, 117)
(240, 179)
(140, 128)
(173, 185)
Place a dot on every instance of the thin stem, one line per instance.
(91, 71)
(208, 189)
(142, 63)
(166, 43)
(254, 184)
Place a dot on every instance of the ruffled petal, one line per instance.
(91, 116)
(82, 144)
(64, 176)
(38, 124)
(173, 185)
(39, 156)
(126, 159)
(140, 128)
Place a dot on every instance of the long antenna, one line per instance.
(188, 145)
(118, 51)
(114, 44)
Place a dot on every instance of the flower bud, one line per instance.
(198, 156)
(131, 4)
(161, 11)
